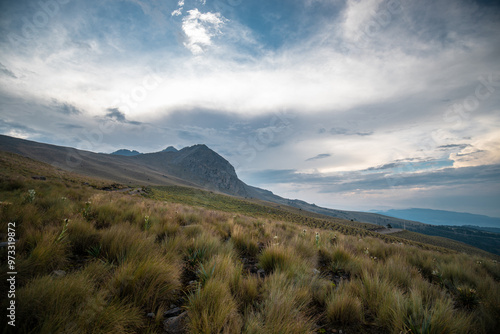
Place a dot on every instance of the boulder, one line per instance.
(175, 325)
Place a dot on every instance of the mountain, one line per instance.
(441, 217)
(170, 149)
(125, 152)
(195, 166)
(200, 167)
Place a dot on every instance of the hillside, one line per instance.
(192, 166)
(94, 256)
(200, 167)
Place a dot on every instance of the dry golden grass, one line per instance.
(126, 256)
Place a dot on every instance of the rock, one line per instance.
(150, 315)
(173, 312)
(316, 271)
(58, 273)
(175, 325)
(261, 273)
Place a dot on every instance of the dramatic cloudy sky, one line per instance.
(358, 104)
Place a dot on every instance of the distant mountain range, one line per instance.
(441, 217)
(200, 167)
(129, 153)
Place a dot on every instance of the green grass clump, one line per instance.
(128, 257)
(245, 244)
(124, 240)
(47, 254)
(284, 308)
(150, 283)
(276, 257)
(72, 305)
(212, 309)
(343, 307)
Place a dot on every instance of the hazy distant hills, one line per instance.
(127, 153)
(441, 217)
(130, 153)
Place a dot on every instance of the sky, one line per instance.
(356, 105)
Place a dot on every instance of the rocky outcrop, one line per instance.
(202, 165)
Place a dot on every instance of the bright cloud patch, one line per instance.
(200, 28)
(178, 11)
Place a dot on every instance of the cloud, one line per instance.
(381, 89)
(5, 71)
(117, 115)
(347, 132)
(453, 146)
(362, 182)
(177, 12)
(319, 156)
(200, 28)
(65, 108)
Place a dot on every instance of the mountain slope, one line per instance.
(200, 167)
(196, 166)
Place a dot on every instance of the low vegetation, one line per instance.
(95, 261)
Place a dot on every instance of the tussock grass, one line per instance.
(212, 309)
(71, 304)
(284, 309)
(343, 307)
(123, 240)
(82, 236)
(277, 257)
(247, 292)
(48, 254)
(149, 283)
(126, 256)
(245, 244)
(224, 268)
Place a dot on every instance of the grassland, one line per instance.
(233, 266)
